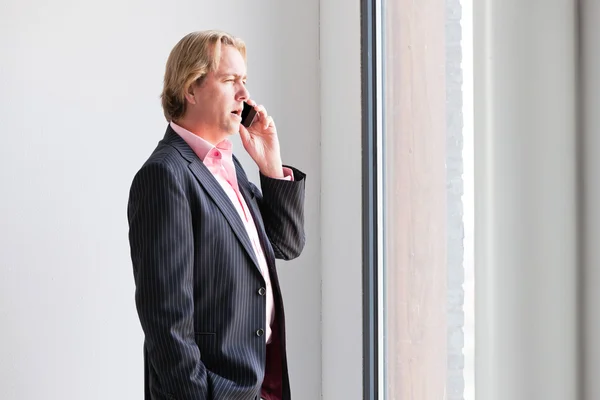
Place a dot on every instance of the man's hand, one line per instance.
(261, 142)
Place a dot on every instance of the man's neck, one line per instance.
(199, 130)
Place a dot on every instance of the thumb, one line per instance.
(245, 135)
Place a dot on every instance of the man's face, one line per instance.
(219, 98)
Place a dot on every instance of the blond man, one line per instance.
(204, 239)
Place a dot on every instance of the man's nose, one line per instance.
(243, 93)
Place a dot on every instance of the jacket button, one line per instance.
(262, 291)
(260, 332)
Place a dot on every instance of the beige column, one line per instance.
(415, 198)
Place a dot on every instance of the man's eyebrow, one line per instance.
(237, 76)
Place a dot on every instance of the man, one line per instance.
(204, 239)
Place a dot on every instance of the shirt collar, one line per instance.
(201, 147)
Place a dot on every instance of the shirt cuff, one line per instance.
(288, 174)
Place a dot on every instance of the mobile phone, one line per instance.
(248, 115)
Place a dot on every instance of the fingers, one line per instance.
(263, 117)
(262, 112)
(270, 122)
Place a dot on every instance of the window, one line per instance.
(418, 196)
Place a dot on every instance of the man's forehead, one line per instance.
(231, 62)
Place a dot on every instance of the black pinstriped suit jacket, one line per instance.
(198, 284)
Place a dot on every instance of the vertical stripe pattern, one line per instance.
(197, 280)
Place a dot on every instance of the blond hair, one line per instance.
(194, 56)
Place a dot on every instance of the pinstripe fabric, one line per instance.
(197, 278)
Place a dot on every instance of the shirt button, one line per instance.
(262, 291)
(260, 332)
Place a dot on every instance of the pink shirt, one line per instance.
(218, 159)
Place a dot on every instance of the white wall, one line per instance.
(590, 149)
(341, 207)
(80, 112)
(525, 200)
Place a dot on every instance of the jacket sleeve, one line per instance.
(162, 252)
(282, 208)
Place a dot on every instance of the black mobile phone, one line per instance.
(248, 115)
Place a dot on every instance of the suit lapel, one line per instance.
(214, 190)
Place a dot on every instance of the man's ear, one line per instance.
(189, 93)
